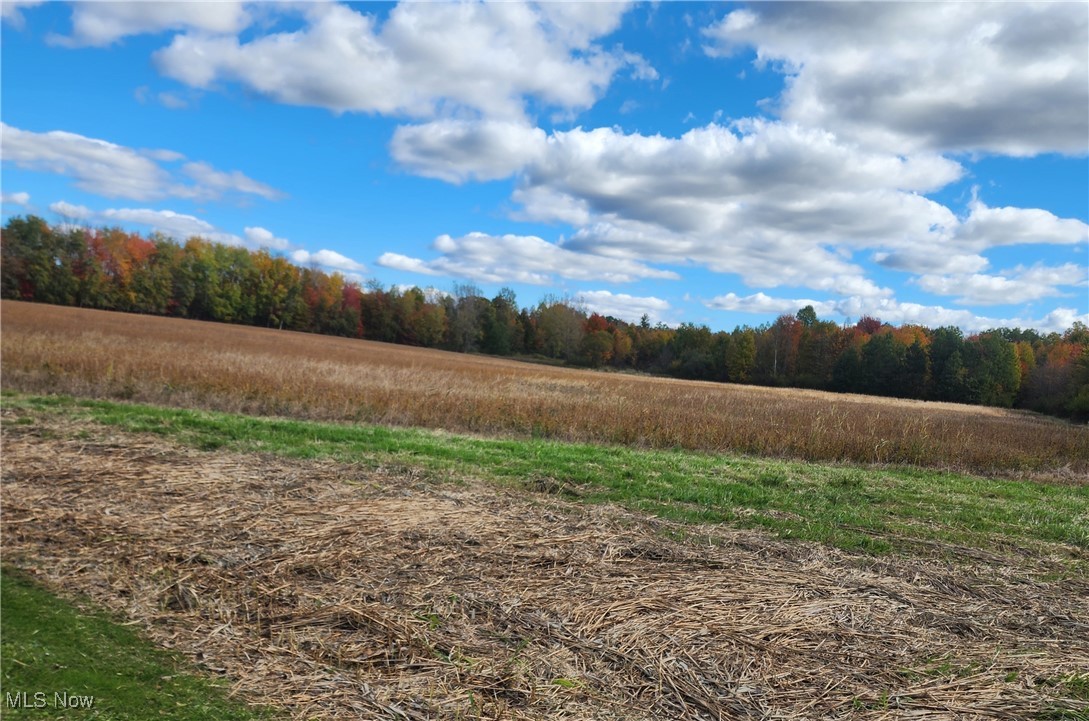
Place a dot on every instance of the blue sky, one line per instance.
(697, 162)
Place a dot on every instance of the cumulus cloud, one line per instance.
(893, 311)
(329, 259)
(957, 249)
(68, 211)
(626, 307)
(992, 227)
(258, 237)
(459, 150)
(425, 57)
(102, 23)
(97, 166)
(763, 304)
(397, 261)
(10, 11)
(1018, 285)
(20, 198)
(518, 259)
(775, 203)
(115, 171)
(1008, 78)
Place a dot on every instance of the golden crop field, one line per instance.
(169, 361)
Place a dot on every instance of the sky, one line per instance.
(707, 163)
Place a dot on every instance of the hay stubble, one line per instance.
(338, 592)
(253, 370)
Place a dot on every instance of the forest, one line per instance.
(114, 269)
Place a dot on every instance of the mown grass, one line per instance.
(869, 508)
(182, 363)
(50, 647)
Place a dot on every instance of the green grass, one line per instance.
(49, 648)
(873, 509)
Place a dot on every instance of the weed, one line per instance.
(243, 369)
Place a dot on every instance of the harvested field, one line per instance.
(193, 364)
(335, 592)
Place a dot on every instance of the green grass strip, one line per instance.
(60, 662)
(874, 509)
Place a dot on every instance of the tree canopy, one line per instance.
(117, 270)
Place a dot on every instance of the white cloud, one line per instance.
(396, 261)
(173, 101)
(624, 306)
(212, 183)
(577, 24)
(457, 150)
(10, 11)
(162, 155)
(767, 305)
(115, 171)
(328, 259)
(181, 227)
(893, 311)
(425, 58)
(957, 249)
(1018, 285)
(1056, 321)
(175, 225)
(68, 211)
(258, 237)
(102, 23)
(1009, 78)
(96, 165)
(992, 227)
(20, 198)
(518, 259)
(932, 258)
(774, 203)
(431, 293)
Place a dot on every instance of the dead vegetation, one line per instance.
(334, 592)
(237, 368)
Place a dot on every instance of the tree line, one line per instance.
(114, 269)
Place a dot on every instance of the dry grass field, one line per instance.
(234, 368)
(331, 591)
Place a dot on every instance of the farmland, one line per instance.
(229, 368)
(344, 529)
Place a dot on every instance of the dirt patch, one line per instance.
(335, 592)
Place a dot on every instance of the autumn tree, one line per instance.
(560, 326)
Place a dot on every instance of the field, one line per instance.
(232, 368)
(515, 541)
(338, 590)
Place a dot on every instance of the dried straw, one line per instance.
(340, 593)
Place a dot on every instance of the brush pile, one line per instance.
(337, 592)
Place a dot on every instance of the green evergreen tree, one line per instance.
(916, 371)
